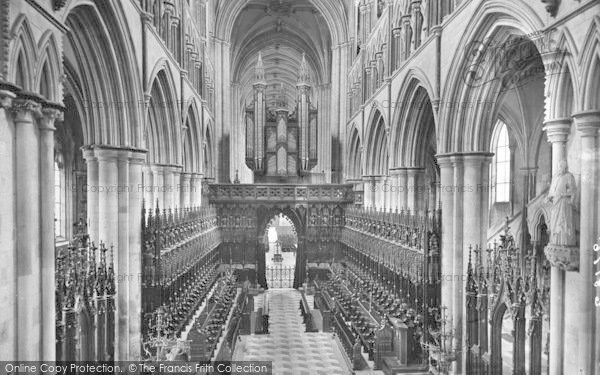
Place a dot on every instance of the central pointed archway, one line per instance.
(281, 241)
(283, 270)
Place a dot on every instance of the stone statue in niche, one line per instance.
(562, 250)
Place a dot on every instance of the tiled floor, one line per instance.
(293, 351)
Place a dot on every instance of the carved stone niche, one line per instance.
(563, 257)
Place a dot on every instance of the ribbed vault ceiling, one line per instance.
(281, 30)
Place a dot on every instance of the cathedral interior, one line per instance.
(325, 186)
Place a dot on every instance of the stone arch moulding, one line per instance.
(377, 154)
(49, 57)
(193, 120)
(562, 86)
(163, 85)
(416, 89)
(112, 72)
(23, 44)
(492, 19)
(333, 12)
(589, 60)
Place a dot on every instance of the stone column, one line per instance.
(136, 161)
(402, 189)
(122, 257)
(367, 85)
(557, 132)
(365, 23)
(394, 189)
(374, 74)
(588, 124)
(9, 252)
(367, 192)
(176, 186)
(46, 126)
(414, 189)
(185, 189)
(408, 46)
(108, 202)
(397, 55)
(169, 187)
(27, 147)
(148, 187)
(195, 189)
(380, 194)
(92, 193)
(159, 186)
(386, 187)
(447, 256)
(334, 114)
(476, 168)
(457, 186)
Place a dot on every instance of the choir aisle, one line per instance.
(292, 350)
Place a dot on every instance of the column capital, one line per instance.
(6, 98)
(372, 178)
(444, 160)
(413, 171)
(557, 130)
(472, 158)
(108, 154)
(88, 153)
(588, 122)
(48, 117)
(137, 156)
(25, 109)
(397, 171)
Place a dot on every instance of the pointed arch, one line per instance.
(334, 14)
(377, 145)
(208, 145)
(590, 60)
(49, 68)
(355, 154)
(23, 55)
(101, 54)
(414, 130)
(192, 139)
(164, 134)
(473, 80)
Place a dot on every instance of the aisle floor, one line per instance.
(292, 350)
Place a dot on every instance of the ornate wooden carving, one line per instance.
(506, 287)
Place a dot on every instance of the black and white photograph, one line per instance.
(300, 187)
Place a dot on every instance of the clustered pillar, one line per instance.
(557, 132)
(464, 200)
(588, 124)
(33, 120)
(168, 187)
(115, 192)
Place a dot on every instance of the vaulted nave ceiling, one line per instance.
(282, 30)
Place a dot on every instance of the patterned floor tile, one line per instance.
(292, 350)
